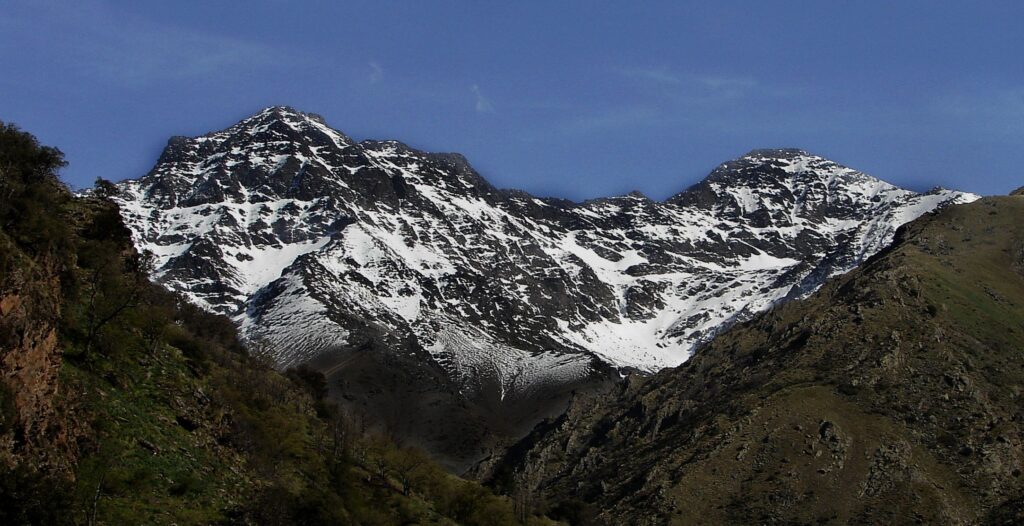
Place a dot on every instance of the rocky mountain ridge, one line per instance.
(325, 247)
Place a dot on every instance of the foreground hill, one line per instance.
(890, 396)
(421, 289)
(122, 404)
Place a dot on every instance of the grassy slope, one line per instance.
(891, 396)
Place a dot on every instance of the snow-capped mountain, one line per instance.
(314, 242)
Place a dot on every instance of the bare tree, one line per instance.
(405, 463)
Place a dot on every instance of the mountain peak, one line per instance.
(790, 165)
(778, 185)
(283, 114)
(777, 153)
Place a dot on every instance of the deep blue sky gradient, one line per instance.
(569, 99)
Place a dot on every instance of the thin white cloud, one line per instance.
(727, 83)
(129, 49)
(483, 105)
(660, 96)
(376, 72)
(630, 117)
(699, 88)
(655, 75)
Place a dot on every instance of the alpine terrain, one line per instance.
(890, 396)
(459, 313)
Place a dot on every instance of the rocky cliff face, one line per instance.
(37, 431)
(892, 395)
(32, 426)
(412, 265)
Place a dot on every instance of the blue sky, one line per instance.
(569, 99)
